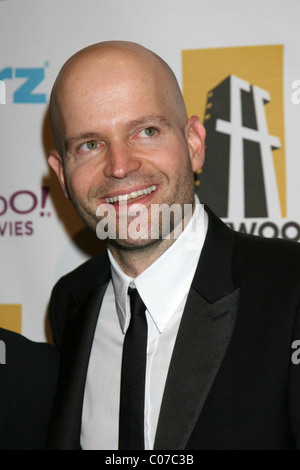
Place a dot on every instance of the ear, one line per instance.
(56, 163)
(195, 137)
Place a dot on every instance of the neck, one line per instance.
(135, 260)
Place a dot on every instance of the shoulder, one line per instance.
(252, 255)
(85, 277)
(28, 379)
(266, 256)
(26, 354)
(72, 290)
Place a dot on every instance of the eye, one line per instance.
(89, 146)
(149, 131)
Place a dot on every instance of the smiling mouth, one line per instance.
(132, 195)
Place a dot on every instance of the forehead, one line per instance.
(112, 90)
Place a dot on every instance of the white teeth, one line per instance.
(133, 195)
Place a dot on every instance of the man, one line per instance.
(28, 377)
(221, 307)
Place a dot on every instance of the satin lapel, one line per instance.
(204, 334)
(66, 421)
(213, 277)
(202, 340)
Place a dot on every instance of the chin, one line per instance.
(138, 245)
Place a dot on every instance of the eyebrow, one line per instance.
(153, 118)
(149, 118)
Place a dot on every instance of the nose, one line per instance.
(120, 161)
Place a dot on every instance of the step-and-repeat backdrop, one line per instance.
(239, 68)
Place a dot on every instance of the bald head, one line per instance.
(106, 66)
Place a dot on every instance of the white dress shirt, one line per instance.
(164, 288)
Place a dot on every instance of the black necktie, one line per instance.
(132, 399)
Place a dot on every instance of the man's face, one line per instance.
(124, 146)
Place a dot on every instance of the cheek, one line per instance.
(174, 162)
(165, 151)
(79, 182)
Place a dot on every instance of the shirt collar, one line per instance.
(167, 276)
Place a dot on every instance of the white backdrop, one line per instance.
(41, 238)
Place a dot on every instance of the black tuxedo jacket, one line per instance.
(231, 382)
(28, 381)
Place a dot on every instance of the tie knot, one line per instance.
(137, 306)
(131, 290)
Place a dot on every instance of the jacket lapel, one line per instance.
(65, 425)
(203, 337)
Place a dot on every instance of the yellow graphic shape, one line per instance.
(11, 317)
(262, 66)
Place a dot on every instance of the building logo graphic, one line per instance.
(238, 94)
(240, 149)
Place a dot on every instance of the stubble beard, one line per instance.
(182, 194)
